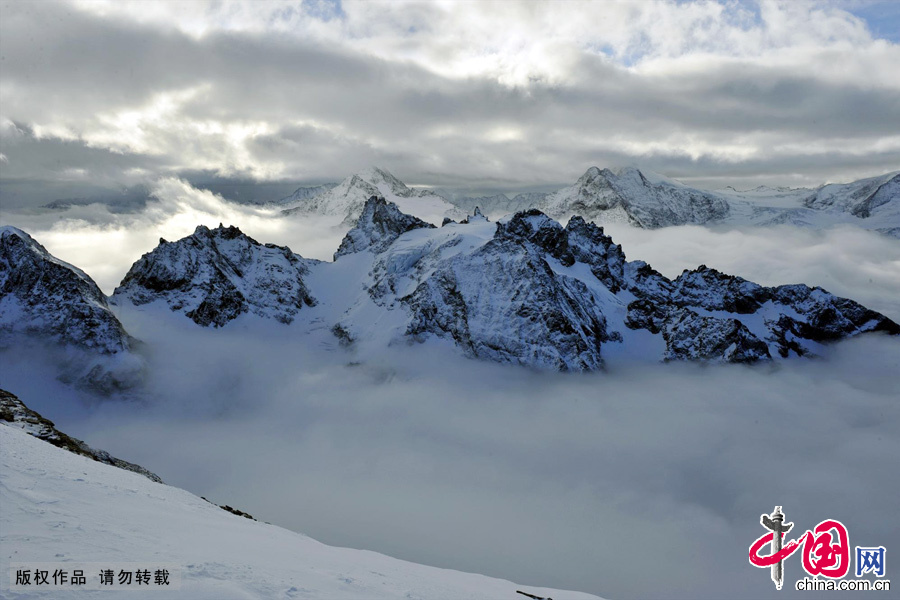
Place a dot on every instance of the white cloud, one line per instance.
(495, 92)
(541, 478)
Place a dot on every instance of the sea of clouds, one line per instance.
(642, 481)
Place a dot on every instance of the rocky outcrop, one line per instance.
(42, 295)
(215, 275)
(14, 413)
(379, 224)
(45, 299)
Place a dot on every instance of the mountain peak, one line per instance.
(476, 216)
(593, 174)
(44, 297)
(228, 233)
(6, 230)
(215, 275)
(379, 224)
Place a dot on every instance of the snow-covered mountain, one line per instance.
(859, 198)
(43, 298)
(649, 200)
(872, 203)
(524, 290)
(347, 199)
(640, 198)
(303, 193)
(528, 291)
(631, 196)
(87, 515)
(215, 275)
(14, 413)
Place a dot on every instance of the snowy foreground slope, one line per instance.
(62, 508)
(14, 413)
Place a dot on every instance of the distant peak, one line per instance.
(379, 224)
(477, 215)
(229, 233)
(592, 175)
(6, 230)
(373, 174)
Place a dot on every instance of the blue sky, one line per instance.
(883, 17)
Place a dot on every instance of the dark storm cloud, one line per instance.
(108, 95)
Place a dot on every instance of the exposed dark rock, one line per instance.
(380, 223)
(14, 413)
(214, 276)
(689, 336)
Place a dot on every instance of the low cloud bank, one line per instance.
(645, 481)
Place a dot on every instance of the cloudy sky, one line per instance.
(486, 96)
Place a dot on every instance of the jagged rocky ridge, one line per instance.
(630, 196)
(527, 290)
(640, 198)
(215, 275)
(384, 223)
(14, 413)
(44, 298)
(524, 290)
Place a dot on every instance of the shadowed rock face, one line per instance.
(44, 296)
(215, 275)
(379, 224)
(14, 413)
(46, 301)
(689, 336)
(535, 293)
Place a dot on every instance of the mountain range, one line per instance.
(524, 290)
(629, 195)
